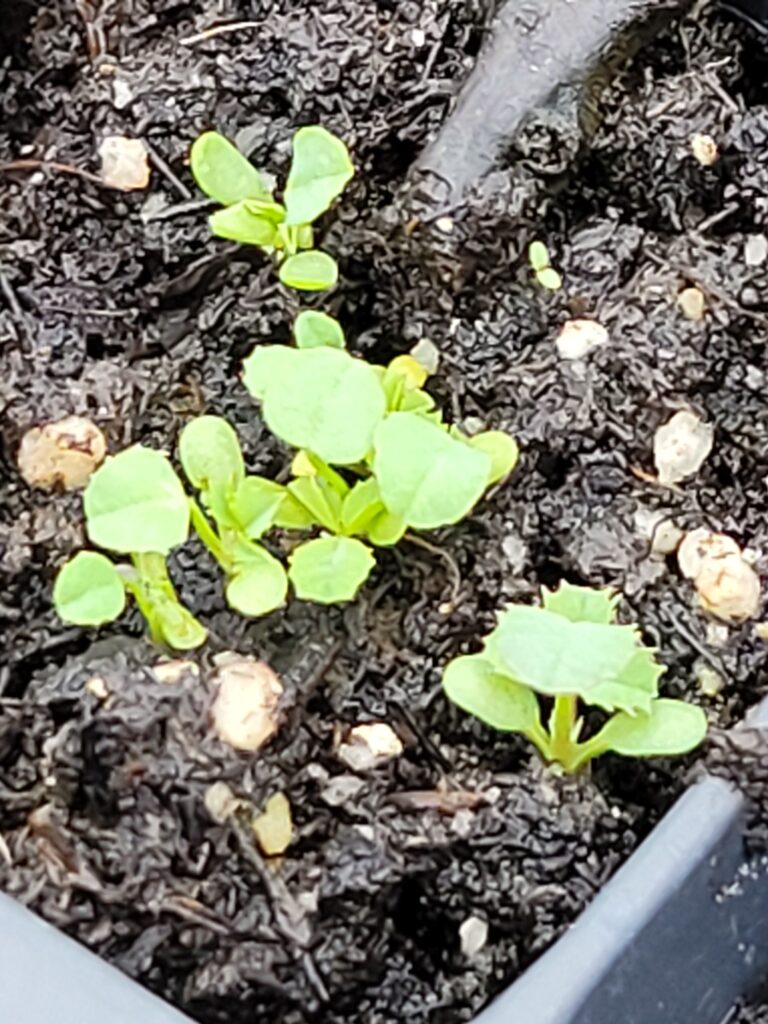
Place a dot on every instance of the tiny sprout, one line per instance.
(401, 466)
(243, 509)
(546, 275)
(572, 650)
(320, 170)
(134, 505)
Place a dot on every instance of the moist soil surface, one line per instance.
(122, 308)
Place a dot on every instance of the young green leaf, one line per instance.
(292, 515)
(671, 727)
(210, 453)
(472, 683)
(223, 173)
(538, 257)
(313, 329)
(240, 223)
(501, 448)
(361, 506)
(330, 569)
(265, 365)
(135, 503)
(426, 477)
(320, 499)
(255, 505)
(259, 585)
(581, 604)
(549, 279)
(552, 655)
(88, 590)
(324, 400)
(312, 271)
(175, 625)
(320, 170)
(385, 529)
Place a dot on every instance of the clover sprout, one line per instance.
(243, 509)
(320, 170)
(134, 505)
(374, 459)
(571, 650)
(546, 275)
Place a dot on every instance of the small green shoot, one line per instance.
(243, 509)
(572, 650)
(320, 170)
(374, 456)
(134, 505)
(546, 275)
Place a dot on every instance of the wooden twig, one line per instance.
(52, 165)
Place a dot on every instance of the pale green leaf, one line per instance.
(550, 654)
(255, 504)
(671, 727)
(426, 477)
(581, 604)
(549, 279)
(320, 499)
(501, 448)
(313, 329)
(259, 584)
(320, 170)
(324, 400)
(361, 506)
(472, 683)
(210, 454)
(311, 271)
(330, 570)
(292, 515)
(88, 590)
(135, 503)
(538, 256)
(223, 173)
(266, 364)
(178, 627)
(244, 223)
(385, 530)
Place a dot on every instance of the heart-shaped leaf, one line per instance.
(244, 222)
(330, 570)
(135, 503)
(425, 476)
(259, 584)
(210, 454)
(671, 727)
(581, 604)
(320, 170)
(502, 450)
(89, 590)
(312, 271)
(223, 173)
(313, 329)
(472, 683)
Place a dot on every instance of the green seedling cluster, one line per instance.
(374, 456)
(134, 505)
(571, 650)
(320, 170)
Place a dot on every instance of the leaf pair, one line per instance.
(134, 505)
(320, 170)
(571, 650)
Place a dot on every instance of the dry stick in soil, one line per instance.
(220, 30)
(49, 165)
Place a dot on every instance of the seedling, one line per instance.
(572, 650)
(374, 460)
(319, 172)
(134, 505)
(242, 507)
(546, 275)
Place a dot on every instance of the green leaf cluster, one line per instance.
(375, 457)
(571, 650)
(320, 170)
(134, 505)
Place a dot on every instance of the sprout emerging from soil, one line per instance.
(243, 509)
(546, 275)
(572, 650)
(320, 171)
(375, 457)
(134, 505)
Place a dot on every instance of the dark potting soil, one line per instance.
(122, 308)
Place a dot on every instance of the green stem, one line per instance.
(151, 572)
(562, 746)
(331, 477)
(539, 736)
(208, 536)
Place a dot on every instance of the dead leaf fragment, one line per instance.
(578, 337)
(681, 446)
(368, 746)
(124, 163)
(444, 801)
(64, 453)
(245, 708)
(274, 828)
(704, 149)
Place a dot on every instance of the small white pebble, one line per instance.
(427, 355)
(704, 149)
(220, 802)
(418, 37)
(245, 708)
(97, 687)
(473, 934)
(692, 303)
(755, 250)
(680, 447)
(368, 746)
(171, 672)
(578, 337)
(64, 453)
(445, 224)
(124, 163)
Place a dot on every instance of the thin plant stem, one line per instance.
(561, 725)
(208, 535)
